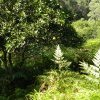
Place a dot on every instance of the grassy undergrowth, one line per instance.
(64, 85)
(58, 85)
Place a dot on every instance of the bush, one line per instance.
(90, 31)
(87, 29)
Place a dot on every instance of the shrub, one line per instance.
(90, 31)
(87, 29)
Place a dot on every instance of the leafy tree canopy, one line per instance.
(22, 20)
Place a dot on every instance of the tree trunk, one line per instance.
(22, 58)
(5, 58)
(10, 60)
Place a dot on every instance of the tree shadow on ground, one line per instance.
(70, 38)
(22, 78)
(59, 34)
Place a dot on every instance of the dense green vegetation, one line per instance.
(49, 50)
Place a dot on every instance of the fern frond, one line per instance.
(59, 59)
(19, 75)
(93, 70)
(58, 55)
(96, 59)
